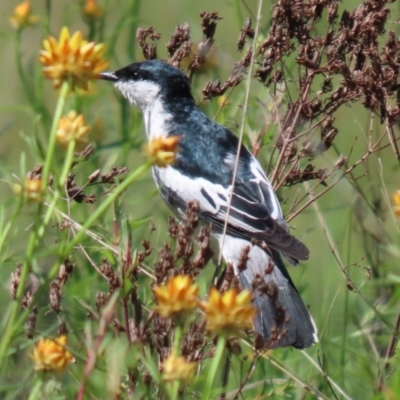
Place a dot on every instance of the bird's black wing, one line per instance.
(204, 170)
(255, 213)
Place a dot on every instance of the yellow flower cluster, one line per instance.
(51, 354)
(162, 151)
(229, 312)
(176, 368)
(177, 298)
(72, 58)
(73, 127)
(22, 17)
(33, 189)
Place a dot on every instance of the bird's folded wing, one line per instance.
(254, 212)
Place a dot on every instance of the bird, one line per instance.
(203, 171)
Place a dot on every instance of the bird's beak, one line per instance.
(108, 76)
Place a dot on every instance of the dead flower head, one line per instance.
(176, 368)
(72, 58)
(22, 17)
(51, 354)
(162, 151)
(177, 298)
(72, 127)
(396, 201)
(229, 312)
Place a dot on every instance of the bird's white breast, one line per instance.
(145, 96)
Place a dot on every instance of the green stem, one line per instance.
(177, 339)
(36, 392)
(6, 338)
(34, 99)
(15, 305)
(20, 70)
(134, 9)
(5, 231)
(48, 15)
(214, 367)
(239, 13)
(49, 213)
(56, 195)
(37, 231)
(174, 393)
(174, 390)
(52, 141)
(105, 206)
(67, 163)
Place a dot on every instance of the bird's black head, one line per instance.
(142, 83)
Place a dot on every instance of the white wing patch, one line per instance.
(189, 189)
(260, 177)
(202, 190)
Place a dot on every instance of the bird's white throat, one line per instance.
(146, 96)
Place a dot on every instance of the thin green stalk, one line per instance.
(15, 305)
(225, 376)
(238, 12)
(18, 56)
(92, 30)
(242, 124)
(5, 231)
(214, 367)
(52, 141)
(105, 206)
(36, 392)
(37, 230)
(30, 92)
(102, 20)
(67, 163)
(177, 338)
(174, 393)
(67, 250)
(48, 15)
(134, 9)
(50, 210)
(56, 194)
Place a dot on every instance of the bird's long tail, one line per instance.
(282, 319)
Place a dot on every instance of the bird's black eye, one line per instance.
(135, 76)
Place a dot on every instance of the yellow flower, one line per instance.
(229, 312)
(72, 127)
(22, 16)
(92, 10)
(72, 58)
(396, 201)
(162, 151)
(177, 298)
(33, 189)
(176, 368)
(51, 354)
